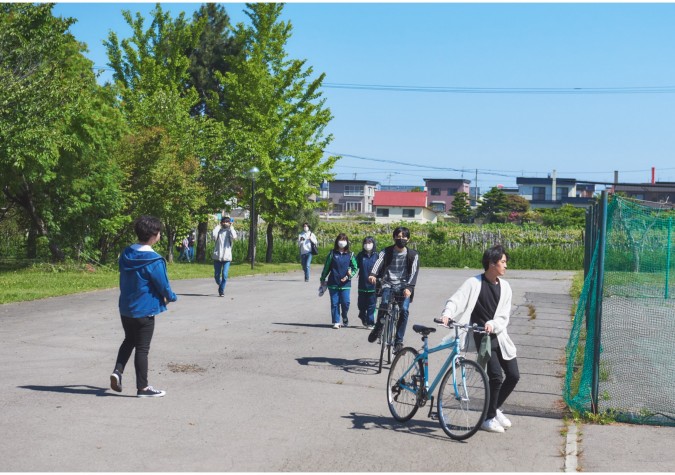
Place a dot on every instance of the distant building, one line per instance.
(552, 192)
(662, 192)
(401, 187)
(394, 206)
(441, 192)
(352, 195)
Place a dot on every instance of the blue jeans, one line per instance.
(404, 304)
(221, 269)
(339, 300)
(306, 261)
(367, 307)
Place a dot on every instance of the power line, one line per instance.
(506, 90)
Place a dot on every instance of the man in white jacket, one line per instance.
(223, 235)
(485, 300)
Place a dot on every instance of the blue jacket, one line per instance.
(144, 284)
(336, 267)
(366, 263)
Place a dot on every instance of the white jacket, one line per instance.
(460, 306)
(305, 246)
(222, 251)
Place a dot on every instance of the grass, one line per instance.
(21, 282)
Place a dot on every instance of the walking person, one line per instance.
(338, 270)
(191, 247)
(144, 293)
(305, 240)
(365, 260)
(397, 267)
(485, 300)
(224, 235)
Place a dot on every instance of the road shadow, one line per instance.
(423, 426)
(310, 325)
(75, 389)
(198, 295)
(356, 366)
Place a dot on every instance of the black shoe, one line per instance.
(116, 381)
(375, 334)
(398, 347)
(345, 322)
(150, 392)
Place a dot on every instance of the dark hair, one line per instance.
(340, 237)
(401, 229)
(146, 227)
(494, 255)
(370, 239)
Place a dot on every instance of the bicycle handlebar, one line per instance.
(466, 326)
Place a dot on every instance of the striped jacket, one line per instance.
(385, 258)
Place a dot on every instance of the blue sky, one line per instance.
(525, 88)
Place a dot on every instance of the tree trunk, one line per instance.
(202, 230)
(270, 242)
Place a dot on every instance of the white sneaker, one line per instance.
(336, 326)
(502, 419)
(491, 425)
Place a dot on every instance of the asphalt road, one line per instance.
(259, 381)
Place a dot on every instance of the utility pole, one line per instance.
(475, 188)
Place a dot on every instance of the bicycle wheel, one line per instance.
(393, 322)
(404, 383)
(462, 406)
(383, 341)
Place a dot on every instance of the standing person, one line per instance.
(305, 240)
(144, 293)
(365, 260)
(184, 250)
(224, 235)
(397, 267)
(340, 266)
(191, 247)
(486, 301)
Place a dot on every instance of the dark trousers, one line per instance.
(501, 384)
(366, 303)
(404, 310)
(137, 335)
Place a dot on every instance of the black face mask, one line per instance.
(401, 243)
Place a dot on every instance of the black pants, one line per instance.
(501, 385)
(137, 335)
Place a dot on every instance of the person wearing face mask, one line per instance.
(365, 260)
(337, 275)
(305, 240)
(397, 267)
(224, 234)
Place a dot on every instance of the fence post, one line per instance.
(602, 237)
(670, 228)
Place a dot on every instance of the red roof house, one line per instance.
(393, 206)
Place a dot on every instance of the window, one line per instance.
(408, 213)
(353, 206)
(452, 191)
(538, 193)
(435, 192)
(353, 190)
(438, 207)
(562, 192)
(382, 212)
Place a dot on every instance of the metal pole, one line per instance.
(602, 236)
(670, 228)
(253, 223)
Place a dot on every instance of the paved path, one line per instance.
(258, 381)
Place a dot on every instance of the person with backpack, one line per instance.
(365, 260)
(397, 268)
(338, 270)
(306, 240)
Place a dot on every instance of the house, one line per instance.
(441, 192)
(394, 206)
(552, 192)
(352, 195)
(657, 192)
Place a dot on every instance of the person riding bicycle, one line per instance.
(485, 300)
(397, 267)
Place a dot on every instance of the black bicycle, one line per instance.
(390, 325)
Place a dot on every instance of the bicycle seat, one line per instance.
(421, 329)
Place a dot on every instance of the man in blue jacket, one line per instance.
(144, 293)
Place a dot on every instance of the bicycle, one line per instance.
(390, 325)
(463, 396)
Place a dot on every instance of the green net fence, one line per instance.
(628, 305)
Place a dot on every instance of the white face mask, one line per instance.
(305, 229)
(342, 244)
(368, 247)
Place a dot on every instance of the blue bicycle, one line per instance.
(463, 396)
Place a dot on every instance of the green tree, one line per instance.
(275, 120)
(517, 204)
(57, 127)
(565, 216)
(162, 157)
(494, 201)
(460, 207)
